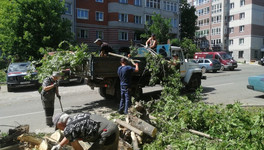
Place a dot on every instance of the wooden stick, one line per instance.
(144, 126)
(203, 134)
(122, 123)
(121, 56)
(30, 139)
(134, 141)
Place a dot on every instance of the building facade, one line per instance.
(236, 26)
(70, 13)
(119, 22)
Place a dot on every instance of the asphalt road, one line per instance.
(24, 106)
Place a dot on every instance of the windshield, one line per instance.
(225, 56)
(19, 67)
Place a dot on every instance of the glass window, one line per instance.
(232, 5)
(240, 54)
(99, 34)
(231, 30)
(82, 13)
(82, 33)
(138, 19)
(123, 36)
(99, 16)
(241, 15)
(153, 4)
(174, 23)
(242, 2)
(137, 2)
(123, 1)
(99, 1)
(149, 19)
(241, 41)
(68, 10)
(231, 42)
(241, 28)
(123, 17)
(231, 18)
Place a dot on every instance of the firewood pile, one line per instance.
(136, 129)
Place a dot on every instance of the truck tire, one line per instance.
(194, 83)
(9, 89)
(102, 92)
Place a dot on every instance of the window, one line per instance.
(241, 28)
(100, 34)
(169, 6)
(231, 18)
(68, 8)
(242, 2)
(232, 5)
(137, 36)
(153, 3)
(137, 2)
(174, 23)
(217, 19)
(241, 41)
(149, 19)
(231, 42)
(82, 13)
(99, 1)
(216, 31)
(242, 16)
(217, 8)
(240, 54)
(123, 36)
(82, 33)
(123, 1)
(99, 16)
(138, 19)
(231, 30)
(123, 17)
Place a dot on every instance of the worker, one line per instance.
(105, 48)
(89, 128)
(49, 89)
(175, 61)
(125, 75)
(152, 42)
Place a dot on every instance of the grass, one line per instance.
(2, 76)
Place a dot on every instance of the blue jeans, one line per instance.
(125, 101)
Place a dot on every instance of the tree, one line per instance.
(160, 27)
(189, 47)
(188, 19)
(28, 25)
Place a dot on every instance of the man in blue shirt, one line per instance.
(125, 73)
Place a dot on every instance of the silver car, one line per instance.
(208, 65)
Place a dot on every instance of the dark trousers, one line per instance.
(48, 106)
(125, 101)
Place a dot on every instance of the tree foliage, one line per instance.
(160, 27)
(188, 20)
(28, 25)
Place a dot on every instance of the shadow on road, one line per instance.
(208, 89)
(260, 96)
(107, 105)
(24, 89)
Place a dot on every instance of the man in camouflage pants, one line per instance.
(89, 128)
(49, 89)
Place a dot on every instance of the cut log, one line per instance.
(124, 124)
(134, 141)
(57, 136)
(139, 139)
(11, 138)
(44, 145)
(30, 139)
(143, 126)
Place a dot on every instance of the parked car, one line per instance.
(256, 83)
(15, 75)
(209, 65)
(69, 77)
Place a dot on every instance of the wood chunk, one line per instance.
(143, 126)
(123, 145)
(124, 124)
(30, 139)
(134, 141)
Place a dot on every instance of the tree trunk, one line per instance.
(124, 124)
(143, 126)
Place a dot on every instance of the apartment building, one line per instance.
(119, 22)
(236, 26)
(70, 13)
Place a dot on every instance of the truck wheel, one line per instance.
(214, 71)
(195, 82)
(9, 89)
(102, 92)
(231, 69)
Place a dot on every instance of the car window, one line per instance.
(209, 56)
(19, 67)
(207, 61)
(200, 61)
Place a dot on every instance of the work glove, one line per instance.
(59, 97)
(55, 84)
(57, 147)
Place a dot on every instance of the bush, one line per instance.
(2, 76)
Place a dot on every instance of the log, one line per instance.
(44, 145)
(143, 126)
(121, 56)
(134, 141)
(139, 139)
(57, 136)
(203, 134)
(124, 124)
(30, 139)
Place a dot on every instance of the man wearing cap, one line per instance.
(49, 89)
(152, 42)
(125, 74)
(89, 128)
(105, 48)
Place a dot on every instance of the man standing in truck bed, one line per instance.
(125, 74)
(105, 48)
